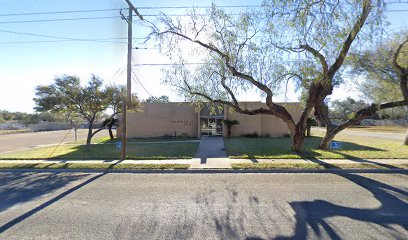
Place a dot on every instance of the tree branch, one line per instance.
(402, 72)
(350, 38)
(317, 55)
(367, 112)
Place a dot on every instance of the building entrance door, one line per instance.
(211, 126)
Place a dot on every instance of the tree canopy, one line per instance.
(381, 82)
(161, 99)
(301, 41)
(395, 68)
(67, 95)
(344, 109)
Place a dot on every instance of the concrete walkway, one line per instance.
(211, 154)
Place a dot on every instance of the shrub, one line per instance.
(250, 135)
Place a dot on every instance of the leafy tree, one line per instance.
(161, 99)
(381, 82)
(301, 41)
(344, 109)
(394, 66)
(67, 94)
(6, 115)
(115, 95)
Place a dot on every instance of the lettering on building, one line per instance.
(183, 122)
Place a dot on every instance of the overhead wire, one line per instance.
(119, 17)
(147, 8)
(118, 9)
(111, 40)
(140, 82)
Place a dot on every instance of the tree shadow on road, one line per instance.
(314, 214)
(20, 187)
(24, 187)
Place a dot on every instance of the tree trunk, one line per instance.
(331, 132)
(406, 136)
(298, 138)
(325, 144)
(308, 130)
(229, 131)
(89, 137)
(76, 133)
(110, 131)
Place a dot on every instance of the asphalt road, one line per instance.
(203, 206)
(19, 141)
(398, 137)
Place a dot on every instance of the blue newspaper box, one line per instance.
(336, 145)
(118, 145)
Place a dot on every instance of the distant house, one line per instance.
(182, 119)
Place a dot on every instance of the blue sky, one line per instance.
(25, 62)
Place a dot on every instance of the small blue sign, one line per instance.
(336, 145)
(118, 145)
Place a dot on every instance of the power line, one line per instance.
(118, 9)
(64, 38)
(147, 8)
(202, 7)
(58, 41)
(203, 63)
(118, 17)
(59, 19)
(60, 12)
(167, 64)
(141, 84)
(117, 74)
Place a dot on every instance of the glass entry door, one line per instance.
(211, 126)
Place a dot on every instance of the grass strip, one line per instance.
(315, 166)
(353, 147)
(102, 166)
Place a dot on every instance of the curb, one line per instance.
(208, 171)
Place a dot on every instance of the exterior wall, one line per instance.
(262, 124)
(160, 119)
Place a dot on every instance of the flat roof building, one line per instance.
(183, 119)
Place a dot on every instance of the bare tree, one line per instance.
(301, 41)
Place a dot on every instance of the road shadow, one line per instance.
(24, 187)
(20, 187)
(393, 210)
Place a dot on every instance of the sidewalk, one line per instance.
(220, 163)
(211, 154)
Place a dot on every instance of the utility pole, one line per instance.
(128, 101)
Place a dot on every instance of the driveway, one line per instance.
(203, 206)
(398, 137)
(19, 141)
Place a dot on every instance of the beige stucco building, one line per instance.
(177, 119)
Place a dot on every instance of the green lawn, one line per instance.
(353, 148)
(104, 166)
(108, 151)
(314, 166)
(4, 132)
(133, 140)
